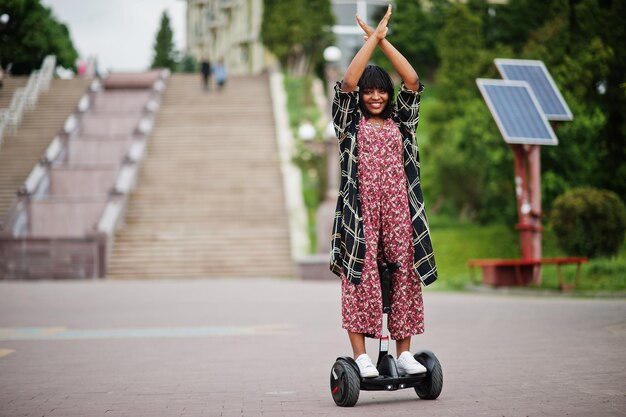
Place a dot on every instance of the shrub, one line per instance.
(589, 222)
(189, 64)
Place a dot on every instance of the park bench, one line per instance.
(507, 272)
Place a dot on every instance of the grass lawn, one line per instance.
(455, 242)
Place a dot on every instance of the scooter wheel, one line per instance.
(431, 387)
(345, 384)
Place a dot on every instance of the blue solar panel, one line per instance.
(537, 75)
(517, 112)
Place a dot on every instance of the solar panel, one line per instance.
(537, 75)
(517, 112)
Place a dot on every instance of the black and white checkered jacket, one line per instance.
(348, 239)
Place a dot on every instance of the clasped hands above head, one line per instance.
(380, 31)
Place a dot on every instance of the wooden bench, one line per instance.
(506, 272)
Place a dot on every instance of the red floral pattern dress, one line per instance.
(388, 232)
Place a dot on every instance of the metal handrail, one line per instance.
(126, 178)
(35, 195)
(25, 98)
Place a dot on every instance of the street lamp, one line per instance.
(306, 131)
(4, 20)
(332, 54)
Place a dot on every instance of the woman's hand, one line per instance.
(399, 62)
(381, 30)
(368, 30)
(361, 59)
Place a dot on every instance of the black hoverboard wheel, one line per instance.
(345, 383)
(431, 386)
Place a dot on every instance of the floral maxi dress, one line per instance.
(388, 233)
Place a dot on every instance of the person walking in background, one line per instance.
(220, 74)
(380, 212)
(205, 69)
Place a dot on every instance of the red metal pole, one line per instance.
(524, 225)
(528, 192)
(534, 170)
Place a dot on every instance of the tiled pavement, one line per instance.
(265, 348)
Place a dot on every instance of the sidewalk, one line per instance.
(265, 347)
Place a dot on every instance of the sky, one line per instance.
(120, 33)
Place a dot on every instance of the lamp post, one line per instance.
(306, 132)
(4, 21)
(332, 55)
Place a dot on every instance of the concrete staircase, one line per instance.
(9, 86)
(20, 152)
(209, 200)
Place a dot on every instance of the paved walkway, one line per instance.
(265, 347)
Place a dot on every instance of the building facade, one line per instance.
(228, 29)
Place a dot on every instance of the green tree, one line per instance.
(461, 48)
(297, 32)
(188, 64)
(414, 32)
(164, 52)
(580, 41)
(600, 24)
(470, 168)
(511, 22)
(579, 45)
(32, 33)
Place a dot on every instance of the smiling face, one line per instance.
(375, 100)
(376, 93)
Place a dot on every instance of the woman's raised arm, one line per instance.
(399, 62)
(360, 60)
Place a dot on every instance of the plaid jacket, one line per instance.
(348, 239)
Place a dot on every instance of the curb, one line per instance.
(541, 292)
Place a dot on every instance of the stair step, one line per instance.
(209, 200)
(21, 152)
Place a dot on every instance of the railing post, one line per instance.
(25, 98)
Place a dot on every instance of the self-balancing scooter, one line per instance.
(346, 380)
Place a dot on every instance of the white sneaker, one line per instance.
(407, 364)
(366, 367)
